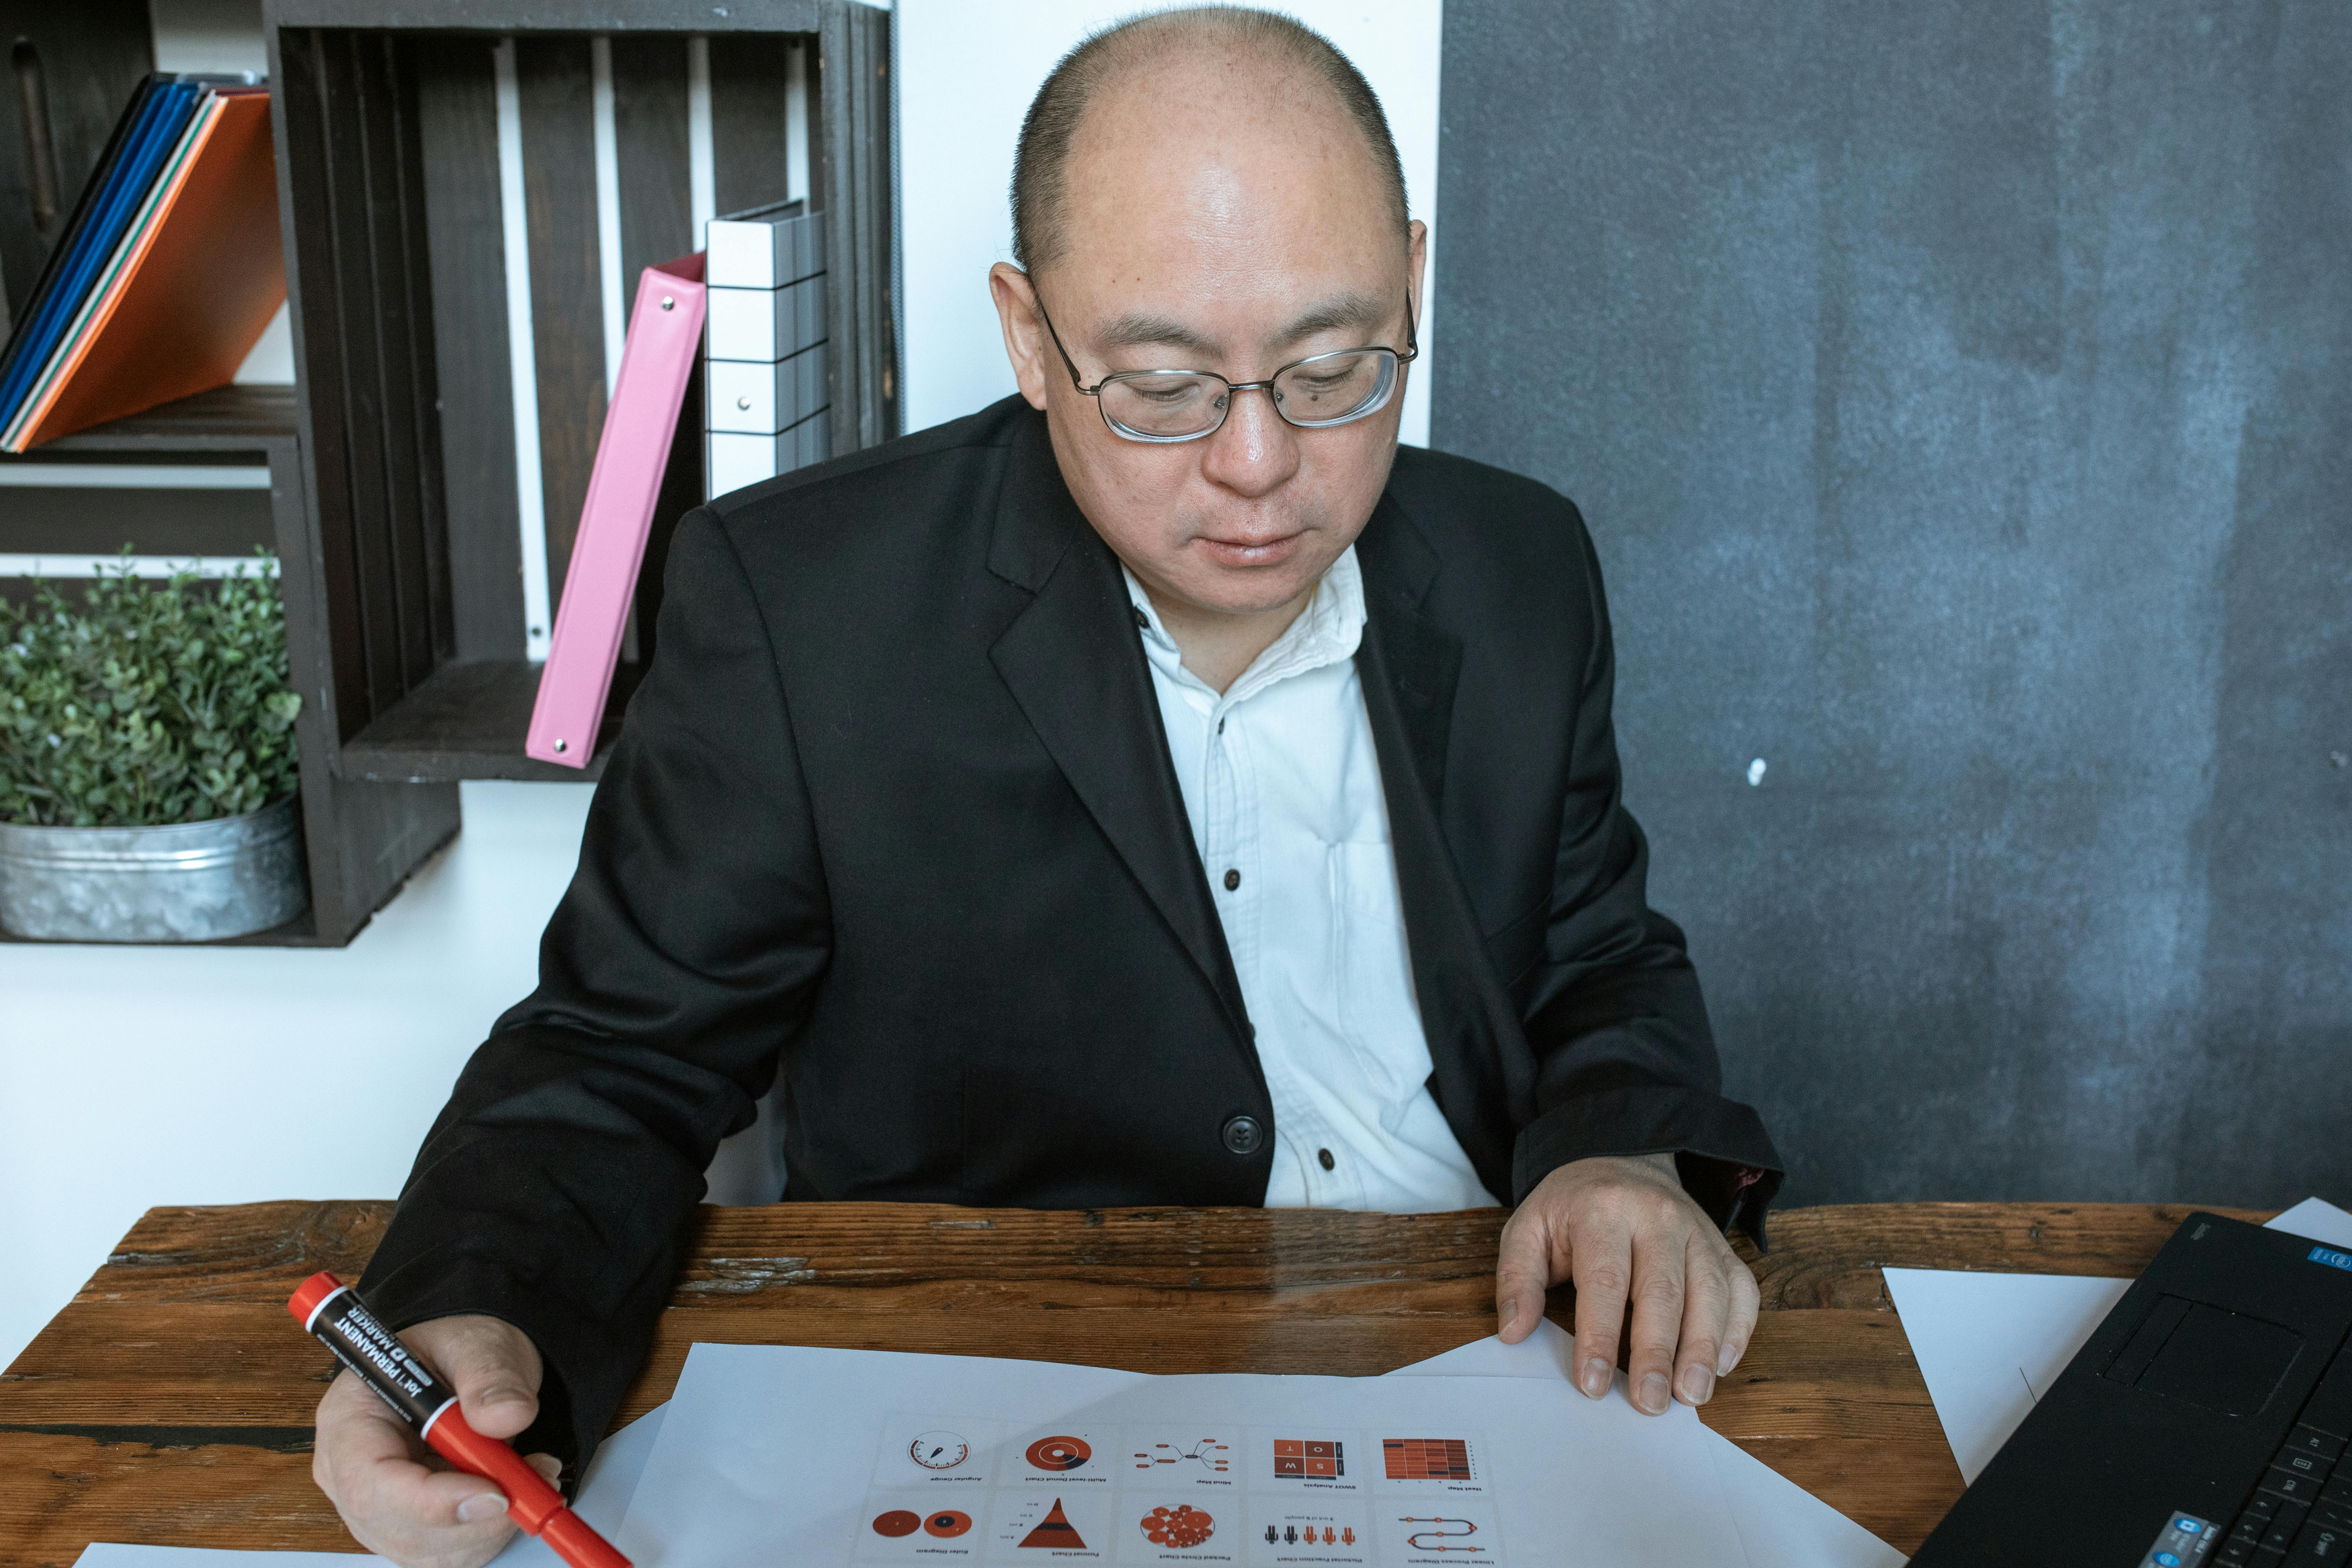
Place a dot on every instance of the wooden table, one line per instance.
(170, 1402)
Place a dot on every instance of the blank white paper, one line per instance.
(1781, 1524)
(1989, 1343)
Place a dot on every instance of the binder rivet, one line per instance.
(743, 402)
(667, 301)
(563, 745)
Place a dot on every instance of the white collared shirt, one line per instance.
(1284, 790)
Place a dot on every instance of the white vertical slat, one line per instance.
(701, 172)
(608, 211)
(522, 362)
(796, 109)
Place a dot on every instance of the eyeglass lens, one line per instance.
(1330, 389)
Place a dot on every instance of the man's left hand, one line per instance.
(1622, 1229)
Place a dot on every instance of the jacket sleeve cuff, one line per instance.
(585, 1370)
(1726, 1162)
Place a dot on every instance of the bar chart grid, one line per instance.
(1426, 1458)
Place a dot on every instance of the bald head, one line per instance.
(1158, 72)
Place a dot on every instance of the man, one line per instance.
(1154, 789)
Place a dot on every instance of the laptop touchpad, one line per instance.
(2220, 1360)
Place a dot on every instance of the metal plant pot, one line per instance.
(190, 881)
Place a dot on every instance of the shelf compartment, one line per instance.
(468, 722)
(360, 839)
(392, 199)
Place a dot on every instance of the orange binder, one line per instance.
(206, 274)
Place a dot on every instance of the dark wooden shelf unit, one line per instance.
(360, 839)
(387, 135)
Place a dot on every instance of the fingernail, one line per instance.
(503, 1393)
(1726, 1361)
(481, 1506)
(1697, 1384)
(1596, 1377)
(1510, 1319)
(1655, 1394)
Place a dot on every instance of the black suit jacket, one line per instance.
(894, 803)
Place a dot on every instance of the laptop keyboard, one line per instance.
(2301, 1512)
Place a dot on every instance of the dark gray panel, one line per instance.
(567, 299)
(656, 225)
(1957, 392)
(458, 100)
(71, 70)
(747, 122)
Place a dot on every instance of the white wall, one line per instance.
(224, 35)
(138, 1076)
(967, 69)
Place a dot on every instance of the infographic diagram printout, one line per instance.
(861, 1460)
(947, 1489)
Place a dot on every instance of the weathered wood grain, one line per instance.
(170, 1402)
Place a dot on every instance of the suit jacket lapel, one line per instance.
(1072, 662)
(1418, 662)
(1408, 667)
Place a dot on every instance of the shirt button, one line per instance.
(1323, 1157)
(1243, 1135)
(1232, 881)
(1141, 620)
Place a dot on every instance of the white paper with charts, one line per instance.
(779, 1454)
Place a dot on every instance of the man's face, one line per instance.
(1228, 220)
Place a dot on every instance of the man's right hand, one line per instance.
(398, 1497)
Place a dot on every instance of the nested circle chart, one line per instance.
(1059, 1452)
(946, 1523)
(896, 1523)
(1181, 1526)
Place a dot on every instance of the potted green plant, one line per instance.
(148, 762)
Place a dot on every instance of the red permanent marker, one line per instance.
(332, 1311)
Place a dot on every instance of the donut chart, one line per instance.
(1059, 1452)
(946, 1523)
(898, 1521)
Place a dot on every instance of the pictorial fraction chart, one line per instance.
(953, 1490)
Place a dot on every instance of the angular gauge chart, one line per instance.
(951, 1452)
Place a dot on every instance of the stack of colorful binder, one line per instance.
(168, 272)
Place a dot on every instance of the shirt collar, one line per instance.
(1328, 631)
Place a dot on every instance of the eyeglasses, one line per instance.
(1316, 393)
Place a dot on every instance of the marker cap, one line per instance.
(307, 1297)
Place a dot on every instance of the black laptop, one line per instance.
(2203, 1425)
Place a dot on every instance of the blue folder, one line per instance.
(156, 128)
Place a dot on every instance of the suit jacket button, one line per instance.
(1243, 1135)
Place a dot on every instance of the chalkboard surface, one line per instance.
(1959, 393)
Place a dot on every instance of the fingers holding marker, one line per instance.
(394, 1500)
